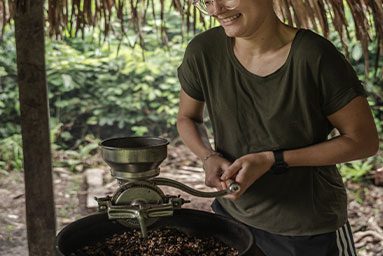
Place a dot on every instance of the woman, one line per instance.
(274, 93)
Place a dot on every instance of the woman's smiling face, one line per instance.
(245, 18)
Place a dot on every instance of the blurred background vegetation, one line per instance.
(118, 86)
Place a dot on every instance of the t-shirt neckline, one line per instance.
(235, 61)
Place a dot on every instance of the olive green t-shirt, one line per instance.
(284, 110)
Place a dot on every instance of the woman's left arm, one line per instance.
(358, 138)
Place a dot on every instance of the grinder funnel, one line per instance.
(134, 157)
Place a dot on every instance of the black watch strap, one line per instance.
(280, 166)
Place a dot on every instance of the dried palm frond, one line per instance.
(69, 17)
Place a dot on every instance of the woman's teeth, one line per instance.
(231, 18)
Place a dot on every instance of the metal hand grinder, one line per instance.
(139, 202)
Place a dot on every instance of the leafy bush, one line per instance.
(11, 153)
(356, 170)
(106, 93)
(9, 103)
(80, 157)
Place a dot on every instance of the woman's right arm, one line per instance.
(193, 133)
(190, 125)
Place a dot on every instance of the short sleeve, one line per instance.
(188, 76)
(338, 81)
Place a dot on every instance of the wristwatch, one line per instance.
(280, 166)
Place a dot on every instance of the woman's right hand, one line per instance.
(214, 167)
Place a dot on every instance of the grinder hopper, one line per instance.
(134, 157)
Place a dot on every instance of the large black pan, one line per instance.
(97, 227)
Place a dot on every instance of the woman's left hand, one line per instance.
(247, 169)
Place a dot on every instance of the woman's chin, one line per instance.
(232, 31)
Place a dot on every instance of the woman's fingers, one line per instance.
(213, 181)
(214, 169)
(231, 170)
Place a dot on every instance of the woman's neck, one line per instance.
(271, 35)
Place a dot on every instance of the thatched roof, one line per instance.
(69, 17)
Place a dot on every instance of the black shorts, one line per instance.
(337, 243)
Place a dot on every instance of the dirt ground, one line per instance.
(365, 202)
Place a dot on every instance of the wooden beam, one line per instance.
(40, 212)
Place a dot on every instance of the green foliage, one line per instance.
(9, 103)
(103, 89)
(356, 170)
(78, 158)
(11, 153)
(95, 89)
(372, 81)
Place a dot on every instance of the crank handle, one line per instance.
(232, 186)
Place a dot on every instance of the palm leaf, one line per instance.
(71, 17)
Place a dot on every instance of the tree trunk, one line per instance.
(40, 212)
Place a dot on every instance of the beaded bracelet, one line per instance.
(212, 153)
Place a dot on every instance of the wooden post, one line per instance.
(30, 48)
